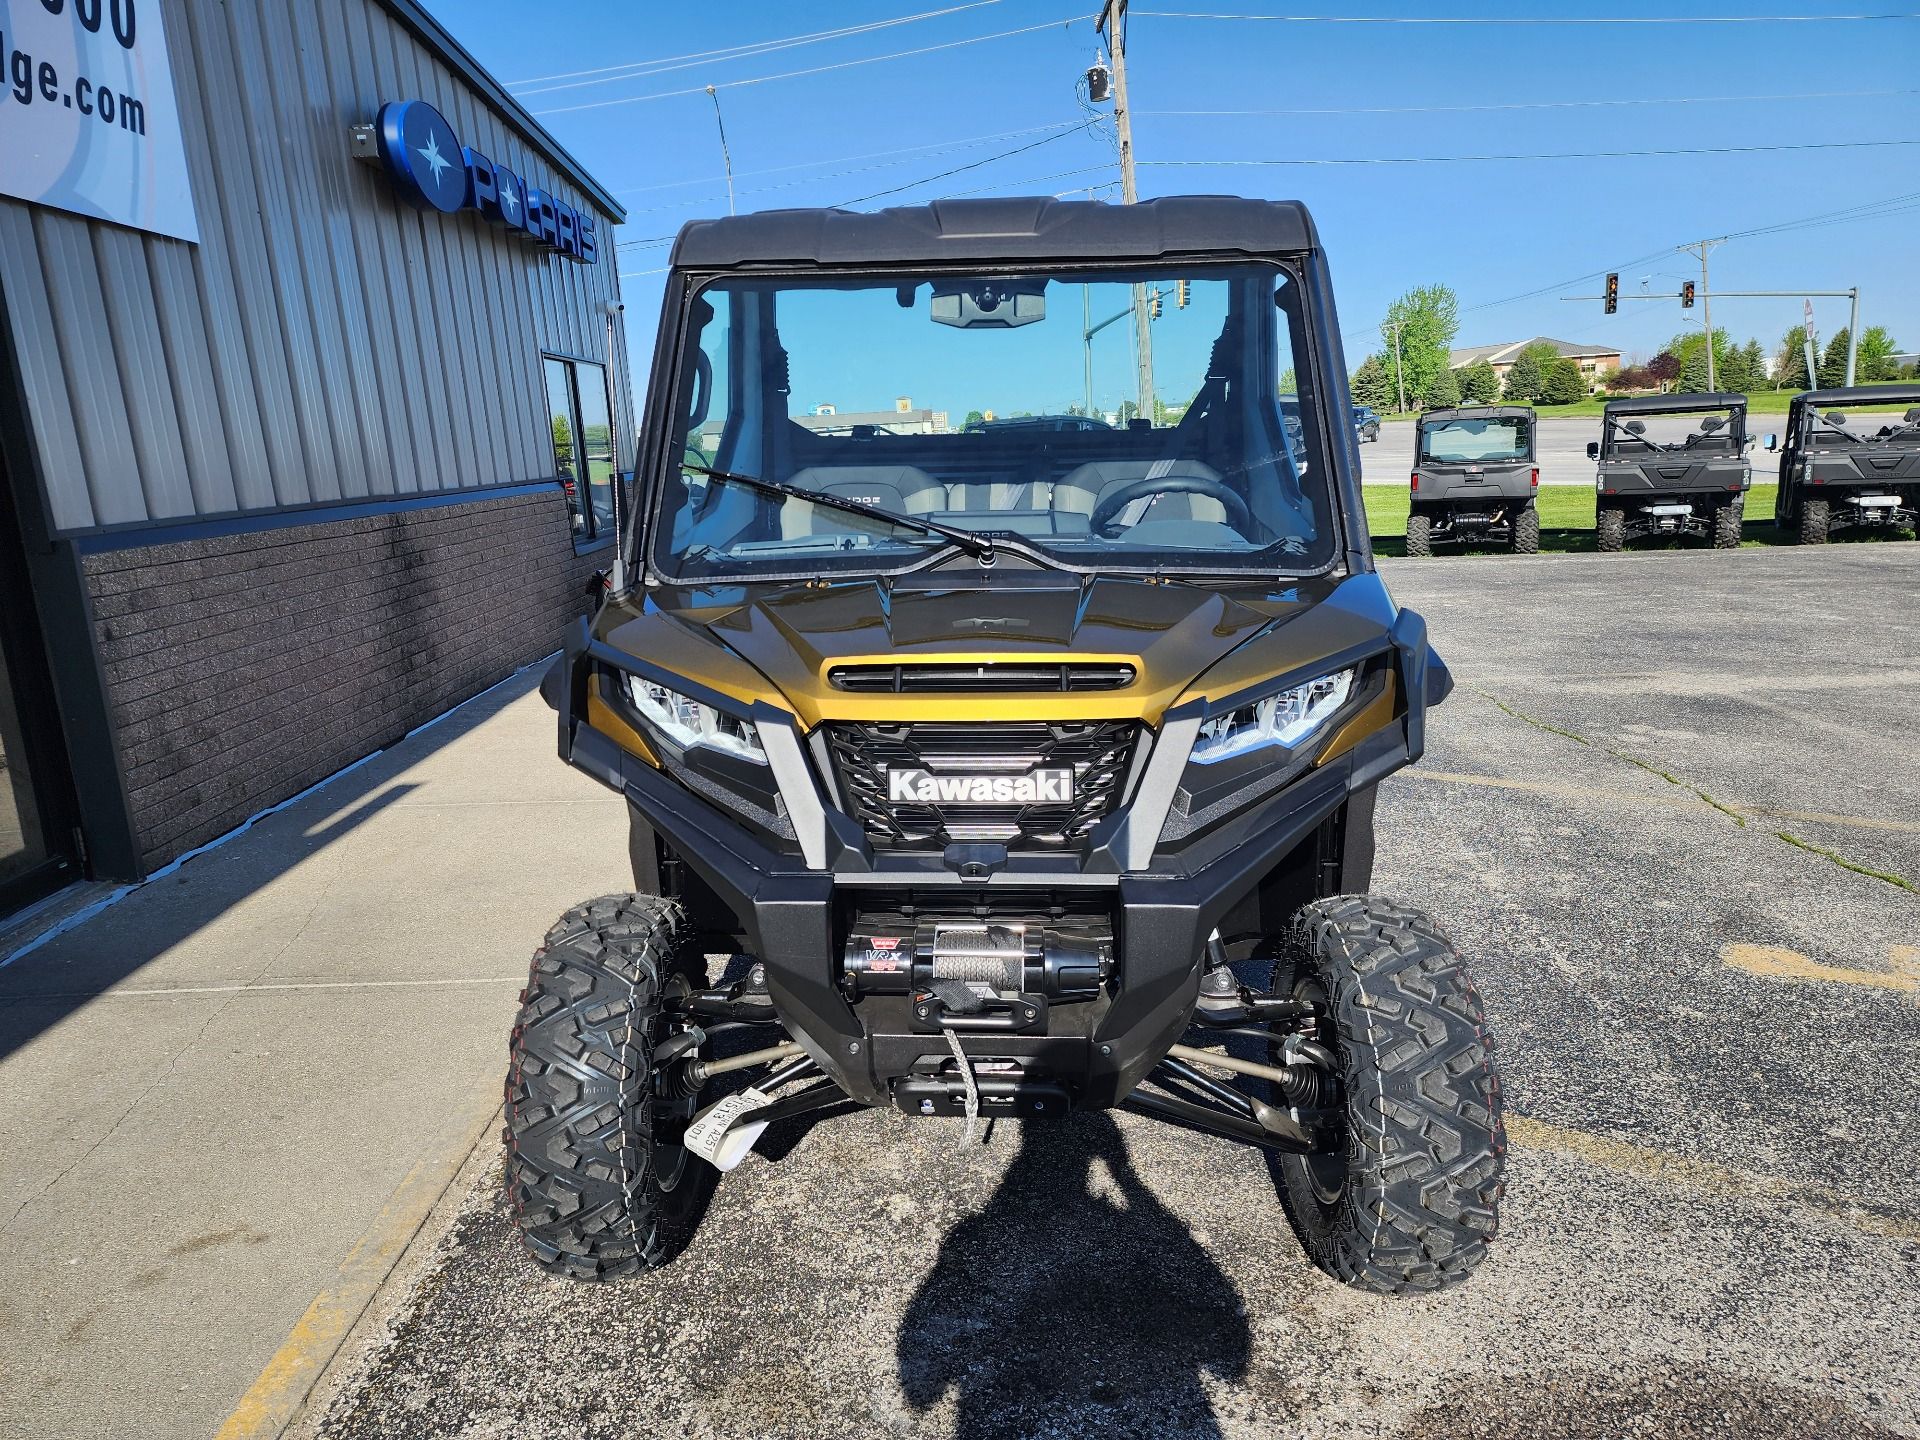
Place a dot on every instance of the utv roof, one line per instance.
(1674, 404)
(1860, 395)
(1478, 412)
(1029, 227)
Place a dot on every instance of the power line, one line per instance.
(1539, 155)
(816, 69)
(1546, 104)
(972, 165)
(1524, 19)
(935, 147)
(637, 69)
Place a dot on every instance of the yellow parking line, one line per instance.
(1778, 963)
(277, 1393)
(1642, 1162)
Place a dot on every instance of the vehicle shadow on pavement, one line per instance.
(1075, 1302)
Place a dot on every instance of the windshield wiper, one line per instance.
(978, 546)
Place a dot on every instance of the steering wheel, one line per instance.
(1114, 501)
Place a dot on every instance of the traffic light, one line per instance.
(1613, 292)
(1686, 294)
(1182, 292)
(1153, 304)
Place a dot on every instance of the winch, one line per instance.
(996, 960)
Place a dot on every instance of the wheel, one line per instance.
(1727, 517)
(1610, 528)
(1525, 539)
(598, 1184)
(1419, 534)
(1410, 1200)
(1815, 516)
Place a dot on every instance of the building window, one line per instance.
(580, 421)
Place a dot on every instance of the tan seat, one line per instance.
(902, 489)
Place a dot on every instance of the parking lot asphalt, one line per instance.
(1562, 445)
(1646, 816)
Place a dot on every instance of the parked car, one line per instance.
(1366, 423)
(1852, 468)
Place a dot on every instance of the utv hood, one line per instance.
(803, 637)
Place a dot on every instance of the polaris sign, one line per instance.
(1036, 787)
(436, 172)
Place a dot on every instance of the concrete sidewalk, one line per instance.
(209, 1092)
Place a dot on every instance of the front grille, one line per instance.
(977, 679)
(1097, 752)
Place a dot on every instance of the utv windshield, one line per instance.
(1004, 406)
(1458, 442)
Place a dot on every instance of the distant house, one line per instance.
(1595, 361)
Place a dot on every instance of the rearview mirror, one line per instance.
(1772, 443)
(1593, 449)
(988, 304)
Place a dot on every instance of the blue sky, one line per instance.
(1490, 229)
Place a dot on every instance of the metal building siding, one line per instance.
(324, 342)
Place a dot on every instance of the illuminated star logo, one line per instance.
(509, 201)
(430, 152)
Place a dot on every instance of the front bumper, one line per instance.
(1166, 898)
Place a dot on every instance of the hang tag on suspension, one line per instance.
(714, 1136)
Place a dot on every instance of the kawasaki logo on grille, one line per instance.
(1036, 787)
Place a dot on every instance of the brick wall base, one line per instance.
(241, 669)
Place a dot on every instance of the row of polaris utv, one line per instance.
(1674, 465)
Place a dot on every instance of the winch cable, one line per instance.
(966, 1079)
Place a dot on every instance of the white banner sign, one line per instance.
(88, 121)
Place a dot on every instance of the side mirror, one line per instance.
(1834, 418)
(1593, 449)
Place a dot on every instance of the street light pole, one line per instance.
(1853, 331)
(1399, 367)
(1703, 248)
(1113, 24)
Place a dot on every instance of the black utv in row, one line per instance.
(1475, 476)
(1672, 465)
(1851, 460)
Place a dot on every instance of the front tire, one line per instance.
(1815, 519)
(1727, 518)
(1610, 528)
(600, 1187)
(1411, 1200)
(1419, 534)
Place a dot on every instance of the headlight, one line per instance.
(1285, 718)
(687, 722)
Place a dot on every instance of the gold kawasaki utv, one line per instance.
(1024, 765)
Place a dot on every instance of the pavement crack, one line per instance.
(1845, 864)
(1672, 779)
(1736, 814)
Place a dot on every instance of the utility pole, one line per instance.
(714, 95)
(1113, 24)
(1703, 248)
(1399, 368)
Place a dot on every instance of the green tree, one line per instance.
(1479, 383)
(1755, 357)
(1427, 317)
(562, 445)
(1736, 374)
(1444, 391)
(976, 417)
(1563, 384)
(1524, 380)
(1289, 382)
(1877, 349)
(1833, 363)
(1693, 371)
(1371, 385)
